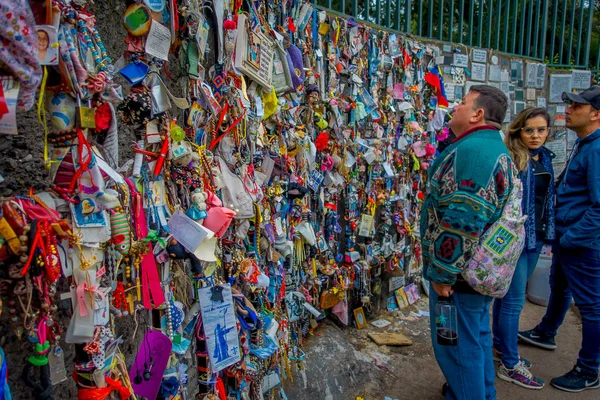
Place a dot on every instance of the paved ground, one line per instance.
(344, 363)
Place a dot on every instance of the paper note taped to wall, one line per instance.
(158, 41)
(187, 231)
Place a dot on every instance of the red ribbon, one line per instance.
(103, 393)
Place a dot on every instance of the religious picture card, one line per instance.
(219, 323)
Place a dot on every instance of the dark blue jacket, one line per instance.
(578, 196)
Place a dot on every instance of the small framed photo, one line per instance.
(47, 44)
(359, 317)
(253, 53)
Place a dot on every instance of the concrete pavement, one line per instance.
(343, 363)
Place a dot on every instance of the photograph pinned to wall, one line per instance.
(535, 75)
(253, 55)
(516, 70)
(541, 102)
(530, 94)
(518, 107)
(47, 44)
(559, 83)
(219, 323)
(519, 95)
(458, 92)
(359, 317)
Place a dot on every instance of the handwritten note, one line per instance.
(461, 60)
(581, 79)
(187, 231)
(478, 71)
(158, 41)
(479, 56)
(559, 148)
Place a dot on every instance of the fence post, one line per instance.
(578, 59)
(588, 41)
(407, 16)
(571, 26)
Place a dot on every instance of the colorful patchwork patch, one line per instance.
(500, 240)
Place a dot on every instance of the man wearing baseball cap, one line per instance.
(575, 271)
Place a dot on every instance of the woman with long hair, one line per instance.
(525, 141)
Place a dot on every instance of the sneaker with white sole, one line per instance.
(535, 338)
(576, 381)
(497, 355)
(519, 375)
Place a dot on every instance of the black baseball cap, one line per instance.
(588, 96)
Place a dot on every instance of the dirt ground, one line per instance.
(343, 364)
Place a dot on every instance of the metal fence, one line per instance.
(562, 33)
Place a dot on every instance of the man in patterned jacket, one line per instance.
(469, 184)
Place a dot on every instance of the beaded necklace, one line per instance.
(96, 46)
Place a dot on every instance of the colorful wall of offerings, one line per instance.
(282, 186)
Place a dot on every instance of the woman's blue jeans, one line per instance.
(507, 310)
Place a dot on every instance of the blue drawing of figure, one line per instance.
(221, 348)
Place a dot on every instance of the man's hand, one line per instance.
(442, 290)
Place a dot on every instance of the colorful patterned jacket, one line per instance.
(469, 184)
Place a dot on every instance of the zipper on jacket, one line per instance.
(544, 225)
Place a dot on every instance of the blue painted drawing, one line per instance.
(218, 316)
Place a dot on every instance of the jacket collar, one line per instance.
(592, 136)
(476, 129)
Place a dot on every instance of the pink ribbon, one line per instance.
(97, 84)
(150, 281)
(81, 289)
(42, 330)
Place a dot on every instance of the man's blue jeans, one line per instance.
(576, 273)
(468, 367)
(507, 310)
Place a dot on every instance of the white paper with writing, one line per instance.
(158, 41)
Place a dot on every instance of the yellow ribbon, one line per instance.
(41, 112)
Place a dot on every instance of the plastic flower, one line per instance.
(322, 141)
